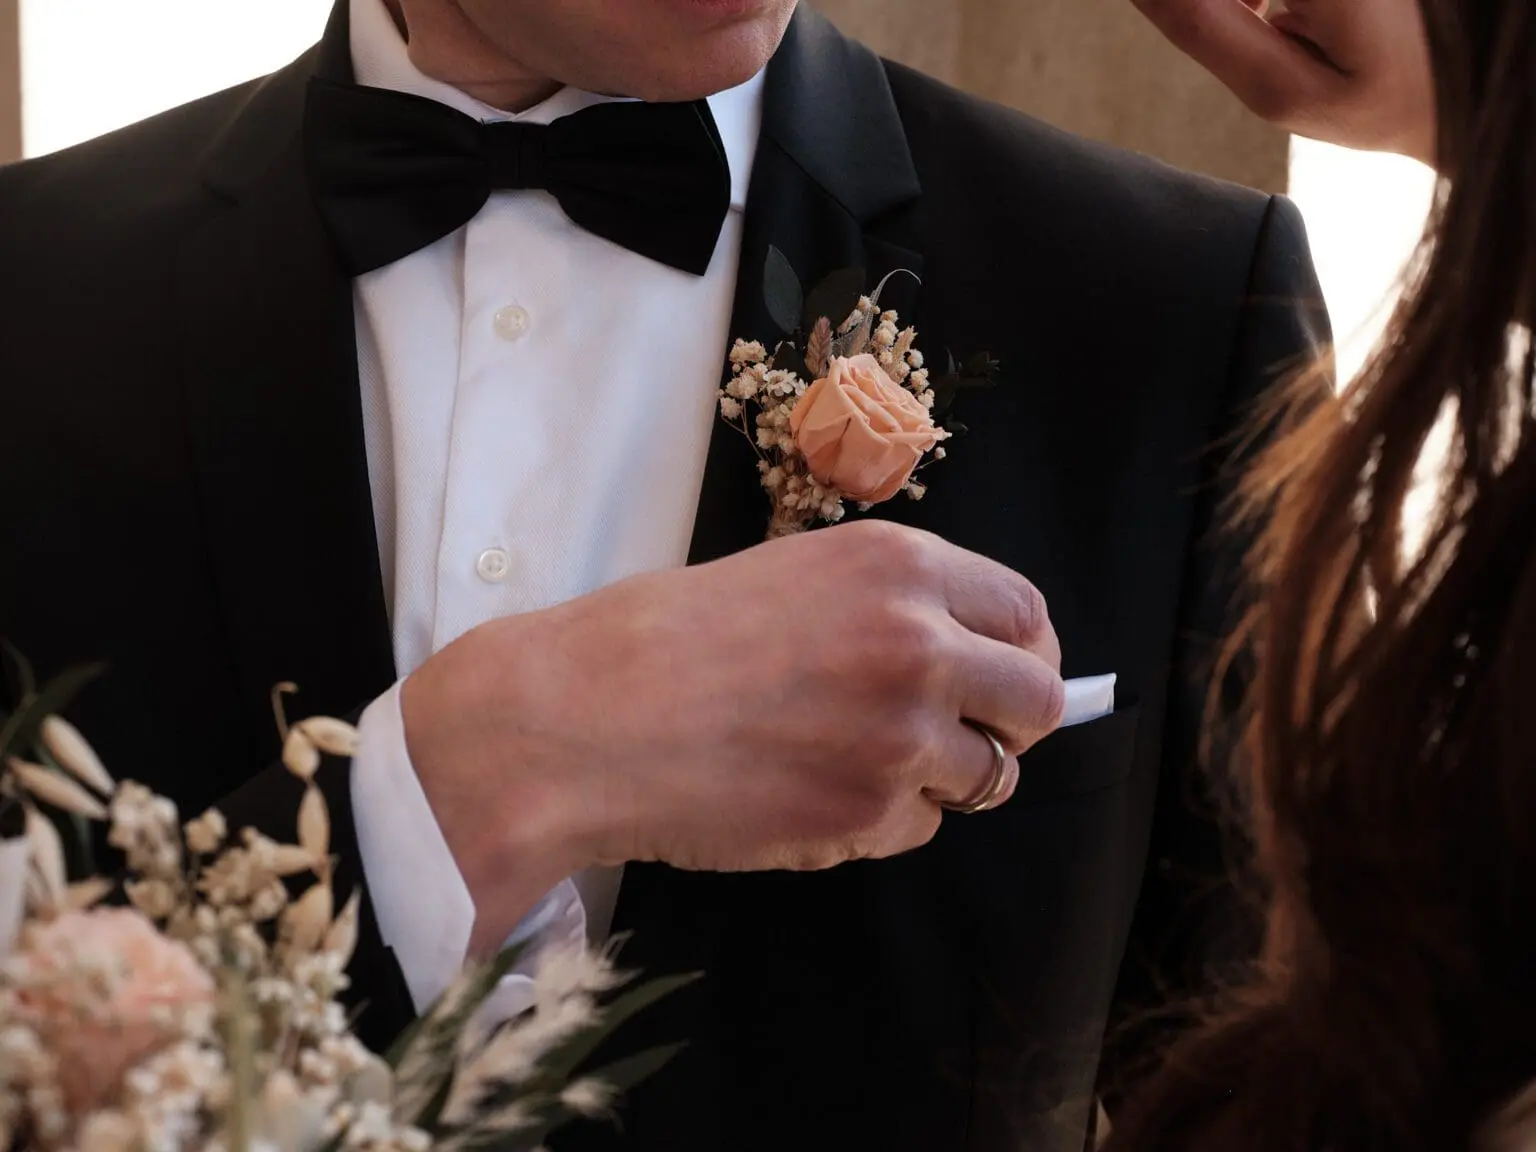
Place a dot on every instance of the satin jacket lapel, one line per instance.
(832, 168)
(832, 173)
(276, 425)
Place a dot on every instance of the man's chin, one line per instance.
(709, 73)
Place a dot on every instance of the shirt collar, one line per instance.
(380, 60)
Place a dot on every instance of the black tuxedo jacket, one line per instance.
(185, 491)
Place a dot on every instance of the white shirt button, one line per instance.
(494, 565)
(511, 322)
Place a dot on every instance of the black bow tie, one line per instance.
(392, 173)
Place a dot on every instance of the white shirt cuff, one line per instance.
(423, 907)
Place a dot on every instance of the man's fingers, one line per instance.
(966, 769)
(1267, 70)
(1013, 693)
(992, 600)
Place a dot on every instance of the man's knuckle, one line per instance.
(1031, 617)
(891, 551)
(1051, 699)
(906, 647)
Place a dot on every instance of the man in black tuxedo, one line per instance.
(312, 381)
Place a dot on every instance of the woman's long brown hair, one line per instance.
(1390, 768)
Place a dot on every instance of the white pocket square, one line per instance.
(1089, 698)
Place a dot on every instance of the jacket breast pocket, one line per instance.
(1080, 760)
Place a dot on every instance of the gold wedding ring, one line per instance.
(988, 797)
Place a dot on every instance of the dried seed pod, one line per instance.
(75, 755)
(46, 857)
(305, 921)
(818, 348)
(341, 938)
(314, 824)
(291, 859)
(300, 756)
(333, 737)
(59, 791)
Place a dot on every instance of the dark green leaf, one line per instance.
(427, 1029)
(623, 1075)
(17, 670)
(562, 1063)
(789, 358)
(781, 291)
(835, 297)
(20, 733)
(79, 847)
(980, 370)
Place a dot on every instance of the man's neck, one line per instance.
(447, 46)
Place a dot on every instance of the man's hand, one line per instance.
(795, 706)
(1350, 72)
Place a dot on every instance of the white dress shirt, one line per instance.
(538, 404)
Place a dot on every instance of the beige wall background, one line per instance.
(1091, 66)
(10, 80)
(1094, 67)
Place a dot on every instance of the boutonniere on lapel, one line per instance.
(839, 411)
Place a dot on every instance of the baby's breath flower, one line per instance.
(748, 352)
(730, 407)
(155, 898)
(271, 899)
(205, 835)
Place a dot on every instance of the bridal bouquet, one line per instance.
(201, 1012)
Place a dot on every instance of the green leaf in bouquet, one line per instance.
(423, 1059)
(629, 1073)
(21, 730)
(835, 297)
(620, 1078)
(782, 293)
(482, 982)
(788, 357)
(17, 667)
(563, 1062)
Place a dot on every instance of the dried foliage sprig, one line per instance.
(205, 1014)
(838, 411)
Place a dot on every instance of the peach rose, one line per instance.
(861, 432)
(100, 1029)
